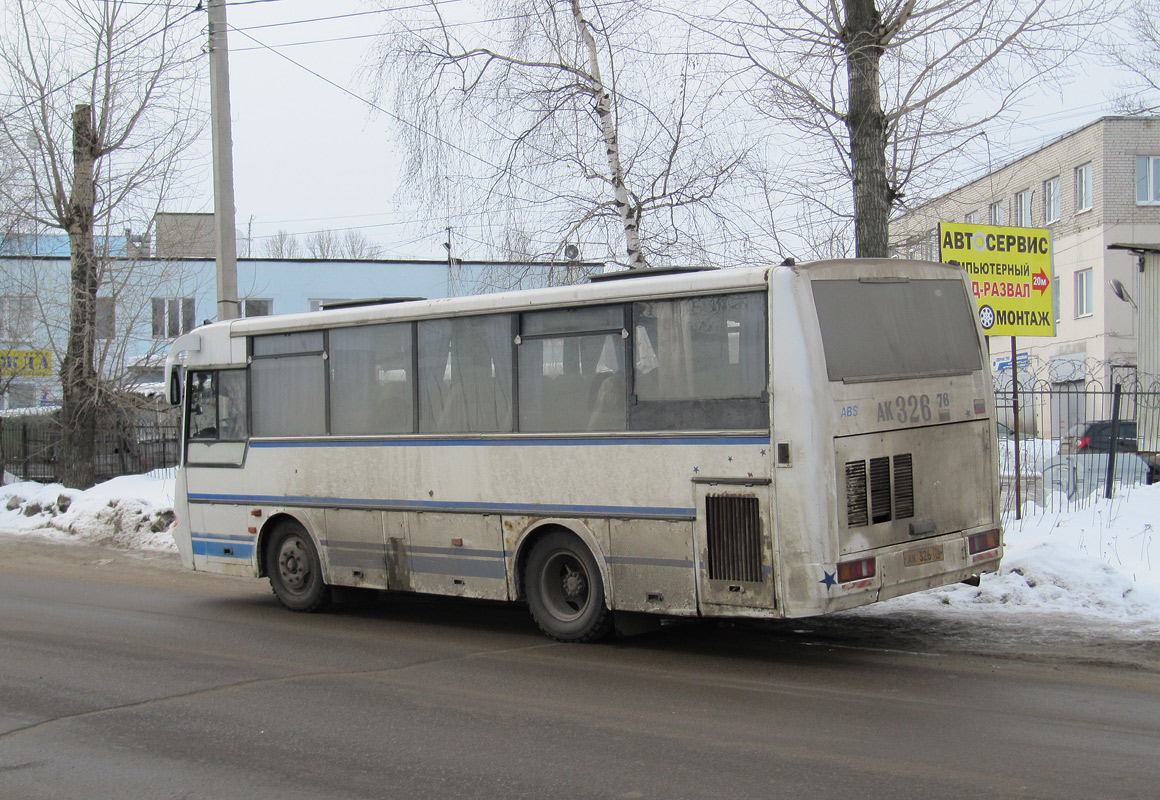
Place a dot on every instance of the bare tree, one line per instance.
(1140, 57)
(893, 89)
(354, 244)
(322, 244)
(99, 115)
(568, 119)
(281, 245)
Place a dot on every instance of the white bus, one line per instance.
(773, 442)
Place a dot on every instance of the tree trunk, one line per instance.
(629, 214)
(78, 376)
(866, 123)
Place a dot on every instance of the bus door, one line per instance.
(733, 540)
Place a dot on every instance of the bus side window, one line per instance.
(370, 379)
(571, 370)
(700, 363)
(217, 406)
(465, 375)
(203, 405)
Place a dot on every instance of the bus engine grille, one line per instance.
(872, 497)
(733, 525)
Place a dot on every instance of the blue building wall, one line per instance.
(34, 291)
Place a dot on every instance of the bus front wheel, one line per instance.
(295, 569)
(565, 591)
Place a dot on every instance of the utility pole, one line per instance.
(223, 163)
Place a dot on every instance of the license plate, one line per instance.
(923, 555)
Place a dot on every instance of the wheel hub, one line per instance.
(292, 565)
(573, 584)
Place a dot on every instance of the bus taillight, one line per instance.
(982, 542)
(855, 570)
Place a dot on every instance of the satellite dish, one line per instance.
(571, 252)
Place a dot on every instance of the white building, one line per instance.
(1094, 188)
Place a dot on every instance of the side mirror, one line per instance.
(176, 379)
(174, 374)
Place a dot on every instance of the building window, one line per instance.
(15, 317)
(1147, 180)
(1083, 293)
(258, 307)
(997, 213)
(172, 316)
(929, 248)
(106, 324)
(1023, 209)
(1083, 188)
(1055, 312)
(971, 218)
(1051, 200)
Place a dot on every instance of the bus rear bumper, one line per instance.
(904, 569)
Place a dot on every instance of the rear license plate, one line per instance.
(923, 555)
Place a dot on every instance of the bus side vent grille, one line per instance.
(734, 532)
(903, 487)
(880, 489)
(856, 515)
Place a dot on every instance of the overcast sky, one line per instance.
(309, 155)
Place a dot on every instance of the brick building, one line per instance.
(1093, 188)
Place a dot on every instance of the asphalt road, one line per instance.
(122, 676)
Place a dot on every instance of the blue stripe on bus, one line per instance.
(530, 509)
(521, 442)
(217, 549)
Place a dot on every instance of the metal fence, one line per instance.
(1068, 455)
(142, 441)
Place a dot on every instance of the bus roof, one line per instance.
(674, 284)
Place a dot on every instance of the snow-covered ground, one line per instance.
(135, 511)
(1101, 562)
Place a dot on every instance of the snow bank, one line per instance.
(134, 512)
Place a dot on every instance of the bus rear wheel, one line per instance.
(565, 591)
(295, 569)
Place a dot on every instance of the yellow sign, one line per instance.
(1010, 273)
(26, 363)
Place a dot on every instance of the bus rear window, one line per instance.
(887, 330)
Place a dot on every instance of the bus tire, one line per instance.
(565, 590)
(295, 569)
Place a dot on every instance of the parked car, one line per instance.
(1096, 437)
(1081, 474)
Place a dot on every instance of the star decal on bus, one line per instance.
(828, 580)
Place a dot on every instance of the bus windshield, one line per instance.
(887, 330)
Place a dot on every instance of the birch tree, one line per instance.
(576, 120)
(887, 92)
(99, 113)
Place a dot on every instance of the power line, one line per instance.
(391, 114)
(348, 15)
(12, 114)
